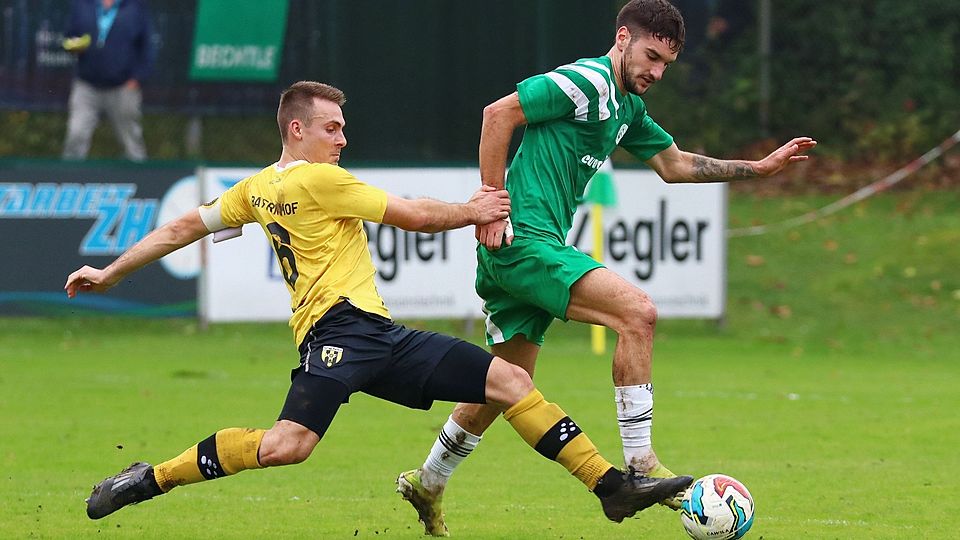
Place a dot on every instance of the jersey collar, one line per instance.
(290, 165)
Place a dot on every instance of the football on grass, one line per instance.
(717, 507)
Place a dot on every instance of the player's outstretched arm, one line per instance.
(675, 165)
(172, 236)
(429, 215)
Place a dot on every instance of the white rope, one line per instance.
(857, 196)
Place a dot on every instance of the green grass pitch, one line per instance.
(831, 391)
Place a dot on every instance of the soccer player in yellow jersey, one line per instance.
(312, 212)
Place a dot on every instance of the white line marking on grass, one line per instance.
(752, 396)
(836, 522)
(715, 394)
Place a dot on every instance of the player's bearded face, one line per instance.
(643, 62)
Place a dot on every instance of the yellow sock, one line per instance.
(227, 451)
(551, 432)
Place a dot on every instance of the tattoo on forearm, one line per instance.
(714, 169)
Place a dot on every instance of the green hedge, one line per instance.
(876, 80)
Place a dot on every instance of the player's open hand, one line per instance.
(793, 151)
(87, 279)
(495, 235)
(490, 204)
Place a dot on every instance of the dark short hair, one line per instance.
(296, 102)
(659, 18)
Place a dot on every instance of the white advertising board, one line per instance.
(667, 239)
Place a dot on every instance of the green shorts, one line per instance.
(526, 285)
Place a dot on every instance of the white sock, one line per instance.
(453, 444)
(635, 416)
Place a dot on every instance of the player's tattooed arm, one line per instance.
(675, 165)
(707, 168)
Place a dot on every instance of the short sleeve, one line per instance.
(542, 99)
(235, 209)
(645, 138)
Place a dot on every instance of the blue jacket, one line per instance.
(127, 53)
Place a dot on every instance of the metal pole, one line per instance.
(598, 333)
(193, 139)
(765, 53)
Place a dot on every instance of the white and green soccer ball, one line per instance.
(717, 507)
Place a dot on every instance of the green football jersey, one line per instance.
(576, 117)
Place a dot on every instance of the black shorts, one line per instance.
(372, 354)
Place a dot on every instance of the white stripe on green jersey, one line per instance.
(576, 117)
(573, 92)
(599, 82)
(609, 77)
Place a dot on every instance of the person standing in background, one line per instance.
(113, 42)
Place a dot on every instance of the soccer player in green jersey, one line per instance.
(311, 210)
(575, 116)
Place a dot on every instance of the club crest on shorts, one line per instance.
(331, 355)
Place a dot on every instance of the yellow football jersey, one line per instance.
(312, 213)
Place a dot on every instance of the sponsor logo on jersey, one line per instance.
(591, 161)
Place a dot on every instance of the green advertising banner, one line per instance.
(238, 40)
